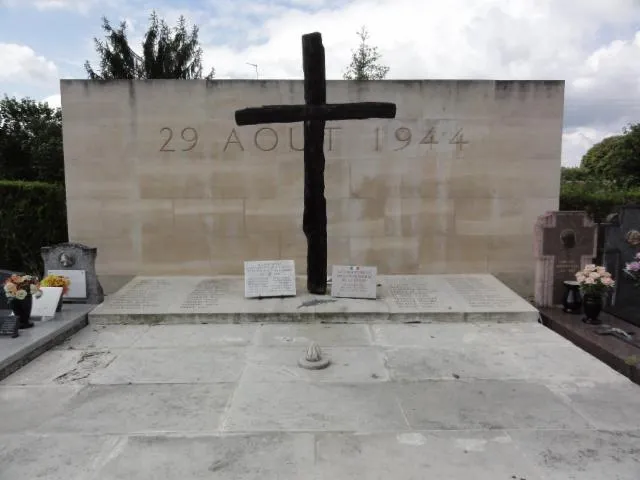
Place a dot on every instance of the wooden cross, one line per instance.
(314, 113)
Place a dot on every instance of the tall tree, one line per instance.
(30, 141)
(616, 158)
(364, 61)
(166, 53)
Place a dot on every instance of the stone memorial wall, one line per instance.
(162, 181)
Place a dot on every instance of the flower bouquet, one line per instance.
(52, 280)
(20, 290)
(633, 269)
(594, 281)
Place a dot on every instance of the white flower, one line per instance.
(21, 294)
(594, 275)
(590, 268)
(600, 270)
(33, 289)
(589, 281)
(580, 278)
(607, 281)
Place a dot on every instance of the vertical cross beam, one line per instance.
(314, 221)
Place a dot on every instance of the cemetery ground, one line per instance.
(483, 400)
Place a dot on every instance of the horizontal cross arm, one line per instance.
(301, 113)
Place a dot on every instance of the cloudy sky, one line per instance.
(594, 45)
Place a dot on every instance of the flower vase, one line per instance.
(59, 307)
(22, 310)
(592, 305)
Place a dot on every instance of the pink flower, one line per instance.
(607, 282)
(590, 268)
(633, 266)
(589, 281)
(594, 275)
(580, 278)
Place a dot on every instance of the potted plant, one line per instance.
(52, 280)
(20, 290)
(594, 282)
(633, 269)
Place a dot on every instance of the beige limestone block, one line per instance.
(173, 247)
(116, 255)
(228, 254)
(155, 217)
(383, 178)
(534, 207)
(488, 216)
(168, 185)
(418, 216)
(453, 254)
(511, 253)
(273, 215)
(389, 254)
(215, 217)
(355, 217)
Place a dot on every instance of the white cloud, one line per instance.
(494, 39)
(81, 6)
(54, 101)
(20, 63)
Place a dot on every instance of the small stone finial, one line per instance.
(313, 358)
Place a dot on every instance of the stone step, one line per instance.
(400, 298)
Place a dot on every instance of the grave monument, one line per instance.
(314, 113)
(565, 242)
(165, 183)
(621, 243)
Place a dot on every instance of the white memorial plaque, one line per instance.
(46, 305)
(269, 278)
(78, 287)
(350, 281)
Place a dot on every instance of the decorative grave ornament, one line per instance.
(314, 113)
(77, 262)
(313, 359)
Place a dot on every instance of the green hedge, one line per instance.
(32, 215)
(597, 200)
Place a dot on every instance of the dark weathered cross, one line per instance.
(314, 113)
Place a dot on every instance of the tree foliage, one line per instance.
(364, 61)
(30, 141)
(615, 159)
(166, 53)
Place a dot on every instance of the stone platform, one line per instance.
(411, 298)
(485, 401)
(32, 342)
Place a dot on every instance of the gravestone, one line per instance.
(267, 278)
(45, 306)
(349, 281)
(564, 243)
(78, 262)
(620, 246)
(314, 113)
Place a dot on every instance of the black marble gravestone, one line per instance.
(620, 247)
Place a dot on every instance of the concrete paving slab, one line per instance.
(174, 365)
(421, 455)
(51, 457)
(607, 406)
(348, 365)
(62, 367)
(104, 336)
(304, 334)
(159, 336)
(582, 454)
(120, 409)
(302, 406)
(24, 408)
(484, 404)
(239, 457)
